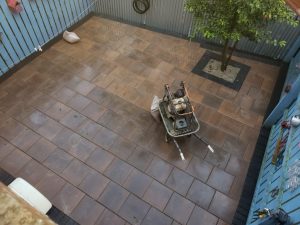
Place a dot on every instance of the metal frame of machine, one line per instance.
(178, 116)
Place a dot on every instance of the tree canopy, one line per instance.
(230, 20)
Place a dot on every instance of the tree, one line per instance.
(230, 20)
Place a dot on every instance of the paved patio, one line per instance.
(75, 123)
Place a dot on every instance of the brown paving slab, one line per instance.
(5, 148)
(134, 210)
(66, 139)
(33, 172)
(25, 139)
(234, 145)
(165, 67)
(3, 117)
(260, 105)
(268, 85)
(231, 126)
(122, 148)
(202, 217)
(159, 169)
(78, 102)
(139, 136)
(248, 153)
(105, 138)
(223, 207)
(50, 184)
(10, 129)
(118, 171)
(99, 159)
(50, 129)
(249, 134)
(137, 182)
(236, 166)
(175, 223)
(64, 94)
(245, 102)
(58, 111)
(82, 149)
(44, 102)
(93, 111)
(75, 80)
(140, 158)
(237, 187)
(84, 87)
(199, 169)
(156, 217)
(109, 218)
(208, 114)
(194, 146)
(93, 184)
(97, 94)
(15, 161)
(75, 172)
(210, 86)
(111, 101)
(228, 108)
(254, 79)
(35, 120)
(87, 72)
(174, 158)
(221, 222)
(73, 120)
(113, 196)
(201, 194)
(211, 101)
(157, 195)
(179, 181)
(67, 198)
(212, 134)
(58, 160)
(220, 180)
(137, 67)
(179, 208)
(226, 93)
(87, 211)
(218, 158)
(112, 120)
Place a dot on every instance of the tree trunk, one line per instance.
(224, 56)
(225, 59)
(229, 56)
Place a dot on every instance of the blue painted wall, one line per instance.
(38, 23)
(293, 78)
(276, 176)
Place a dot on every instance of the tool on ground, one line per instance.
(178, 116)
(281, 143)
(273, 217)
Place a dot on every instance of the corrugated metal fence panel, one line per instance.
(169, 16)
(121, 10)
(279, 32)
(37, 24)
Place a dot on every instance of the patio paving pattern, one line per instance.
(75, 122)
